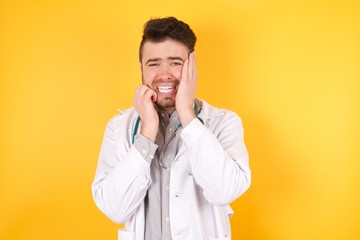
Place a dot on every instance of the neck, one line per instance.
(168, 110)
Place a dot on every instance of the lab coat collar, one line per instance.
(208, 112)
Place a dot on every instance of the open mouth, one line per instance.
(166, 89)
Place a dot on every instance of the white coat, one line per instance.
(210, 170)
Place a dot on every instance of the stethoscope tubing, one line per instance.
(138, 120)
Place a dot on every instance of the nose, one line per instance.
(165, 72)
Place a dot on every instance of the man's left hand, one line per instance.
(186, 92)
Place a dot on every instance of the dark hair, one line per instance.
(160, 29)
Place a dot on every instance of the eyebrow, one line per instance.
(153, 60)
(176, 58)
(159, 59)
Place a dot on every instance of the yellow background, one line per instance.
(290, 69)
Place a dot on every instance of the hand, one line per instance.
(144, 104)
(186, 92)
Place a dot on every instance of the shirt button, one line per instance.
(168, 157)
(167, 219)
(144, 151)
(167, 188)
(168, 168)
(163, 114)
(151, 156)
(170, 129)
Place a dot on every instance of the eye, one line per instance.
(176, 64)
(153, 64)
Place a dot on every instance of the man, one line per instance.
(170, 166)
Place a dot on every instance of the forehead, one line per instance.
(164, 49)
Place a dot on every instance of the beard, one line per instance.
(164, 102)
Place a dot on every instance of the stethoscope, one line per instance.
(137, 123)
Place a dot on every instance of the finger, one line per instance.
(185, 70)
(139, 94)
(150, 94)
(137, 90)
(140, 90)
(153, 92)
(143, 89)
(136, 96)
(194, 69)
(192, 74)
(191, 66)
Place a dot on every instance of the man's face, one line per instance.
(161, 66)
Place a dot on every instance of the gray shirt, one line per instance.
(161, 155)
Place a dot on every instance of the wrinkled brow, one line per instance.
(153, 60)
(176, 58)
(159, 59)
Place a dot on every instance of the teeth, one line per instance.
(166, 89)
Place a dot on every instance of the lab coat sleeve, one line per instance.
(122, 176)
(218, 158)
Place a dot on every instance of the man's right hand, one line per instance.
(144, 104)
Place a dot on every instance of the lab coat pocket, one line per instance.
(125, 235)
